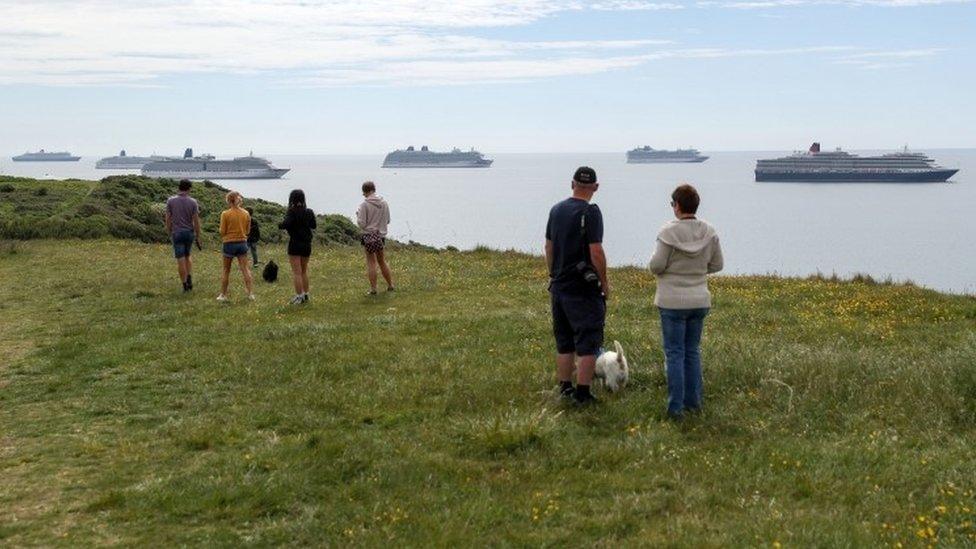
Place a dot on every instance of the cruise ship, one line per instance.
(126, 162)
(649, 155)
(208, 167)
(840, 166)
(44, 156)
(426, 158)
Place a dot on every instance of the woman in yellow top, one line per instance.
(235, 224)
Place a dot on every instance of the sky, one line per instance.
(366, 77)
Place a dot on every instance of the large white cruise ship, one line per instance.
(426, 158)
(208, 167)
(839, 166)
(650, 155)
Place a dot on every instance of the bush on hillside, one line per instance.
(134, 207)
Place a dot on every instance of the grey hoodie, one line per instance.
(373, 215)
(687, 250)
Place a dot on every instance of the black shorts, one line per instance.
(303, 249)
(577, 322)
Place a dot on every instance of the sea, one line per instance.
(919, 232)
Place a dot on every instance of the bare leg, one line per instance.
(304, 274)
(587, 364)
(564, 366)
(296, 272)
(225, 275)
(371, 270)
(245, 264)
(181, 266)
(384, 268)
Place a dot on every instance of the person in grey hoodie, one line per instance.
(687, 250)
(373, 216)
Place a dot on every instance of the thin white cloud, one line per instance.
(878, 60)
(316, 42)
(764, 4)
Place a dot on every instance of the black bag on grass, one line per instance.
(270, 273)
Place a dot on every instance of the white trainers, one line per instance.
(297, 300)
(250, 297)
(222, 298)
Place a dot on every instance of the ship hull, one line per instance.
(65, 159)
(275, 173)
(112, 165)
(927, 176)
(486, 164)
(694, 160)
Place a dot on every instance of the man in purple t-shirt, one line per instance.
(183, 226)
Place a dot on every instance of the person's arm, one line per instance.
(286, 222)
(386, 210)
(223, 224)
(659, 261)
(549, 255)
(312, 223)
(196, 225)
(717, 262)
(599, 260)
(169, 222)
(247, 230)
(594, 238)
(361, 216)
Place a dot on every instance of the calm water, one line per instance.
(921, 232)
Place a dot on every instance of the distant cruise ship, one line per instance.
(44, 156)
(840, 166)
(125, 162)
(648, 155)
(425, 158)
(208, 167)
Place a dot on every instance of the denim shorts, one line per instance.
(235, 249)
(577, 322)
(183, 243)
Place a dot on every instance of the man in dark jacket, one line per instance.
(578, 284)
(253, 237)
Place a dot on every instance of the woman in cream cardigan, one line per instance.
(687, 250)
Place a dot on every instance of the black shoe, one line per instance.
(185, 288)
(566, 392)
(676, 417)
(390, 289)
(189, 282)
(304, 298)
(585, 400)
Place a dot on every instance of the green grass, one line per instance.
(837, 413)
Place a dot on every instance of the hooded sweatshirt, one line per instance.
(373, 215)
(687, 250)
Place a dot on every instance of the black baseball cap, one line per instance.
(585, 175)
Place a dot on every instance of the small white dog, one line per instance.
(611, 367)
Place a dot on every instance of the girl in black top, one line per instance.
(299, 222)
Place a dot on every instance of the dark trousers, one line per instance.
(254, 251)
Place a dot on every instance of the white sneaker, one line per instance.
(222, 298)
(250, 297)
(296, 300)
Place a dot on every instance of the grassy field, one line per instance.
(837, 413)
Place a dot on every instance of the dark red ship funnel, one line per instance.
(815, 148)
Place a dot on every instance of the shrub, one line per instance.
(6, 188)
(40, 191)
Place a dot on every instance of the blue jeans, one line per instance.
(681, 330)
(254, 251)
(183, 243)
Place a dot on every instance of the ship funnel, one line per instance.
(815, 148)
(424, 148)
(188, 153)
(122, 152)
